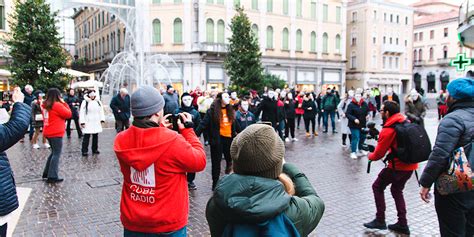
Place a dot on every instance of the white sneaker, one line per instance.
(365, 153)
(36, 146)
(287, 140)
(353, 156)
(359, 153)
(295, 139)
(47, 145)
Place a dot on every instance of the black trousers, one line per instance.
(290, 127)
(121, 125)
(298, 119)
(205, 133)
(78, 128)
(3, 230)
(455, 214)
(307, 121)
(85, 142)
(216, 156)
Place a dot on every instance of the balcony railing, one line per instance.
(444, 61)
(391, 48)
(419, 63)
(211, 47)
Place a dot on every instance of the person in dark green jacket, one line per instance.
(263, 186)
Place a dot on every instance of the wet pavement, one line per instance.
(87, 202)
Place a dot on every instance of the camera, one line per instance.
(372, 133)
(173, 119)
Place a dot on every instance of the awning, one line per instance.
(87, 84)
(5, 73)
(74, 73)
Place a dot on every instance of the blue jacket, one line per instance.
(244, 120)
(10, 133)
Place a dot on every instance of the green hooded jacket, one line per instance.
(252, 199)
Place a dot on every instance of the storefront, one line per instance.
(306, 80)
(215, 77)
(332, 79)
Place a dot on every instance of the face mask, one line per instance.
(245, 107)
(350, 94)
(283, 94)
(389, 92)
(290, 96)
(226, 99)
(92, 94)
(328, 92)
(358, 98)
(187, 100)
(414, 97)
(233, 95)
(271, 94)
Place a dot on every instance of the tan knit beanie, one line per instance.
(258, 151)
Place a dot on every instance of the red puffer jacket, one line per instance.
(55, 120)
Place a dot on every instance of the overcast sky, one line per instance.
(408, 2)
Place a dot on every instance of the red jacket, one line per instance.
(387, 142)
(55, 120)
(299, 109)
(154, 163)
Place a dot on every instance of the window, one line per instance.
(405, 65)
(338, 43)
(384, 40)
(269, 37)
(325, 13)
(156, 31)
(415, 37)
(385, 17)
(220, 1)
(236, 3)
(390, 61)
(313, 10)
(374, 40)
(445, 32)
(210, 1)
(420, 55)
(432, 34)
(431, 54)
(390, 40)
(396, 41)
(299, 10)
(445, 52)
(421, 36)
(353, 39)
(415, 55)
(210, 31)
(254, 4)
(354, 16)
(269, 5)
(398, 19)
(119, 45)
(178, 31)
(285, 39)
(384, 62)
(353, 60)
(391, 18)
(406, 43)
(178, 1)
(406, 20)
(285, 7)
(375, 15)
(396, 63)
(255, 30)
(221, 32)
(338, 15)
(299, 40)
(325, 43)
(313, 41)
(156, 1)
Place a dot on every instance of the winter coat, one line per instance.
(10, 133)
(269, 110)
(252, 199)
(213, 128)
(394, 98)
(74, 103)
(171, 103)
(387, 143)
(36, 110)
(191, 110)
(243, 120)
(342, 108)
(456, 129)
(55, 120)
(28, 98)
(281, 111)
(290, 109)
(357, 111)
(121, 104)
(299, 105)
(154, 162)
(91, 115)
(415, 110)
(329, 102)
(309, 113)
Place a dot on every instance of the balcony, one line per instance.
(466, 24)
(393, 49)
(419, 63)
(444, 61)
(211, 47)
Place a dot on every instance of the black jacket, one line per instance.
(394, 98)
(70, 100)
(10, 133)
(269, 108)
(290, 109)
(309, 113)
(123, 105)
(455, 130)
(355, 111)
(214, 129)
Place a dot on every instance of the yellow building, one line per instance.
(379, 45)
(301, 41)
(6, 8)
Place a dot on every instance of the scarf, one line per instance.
(144, 123)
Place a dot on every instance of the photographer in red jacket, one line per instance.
(396, 173)
(154, 161)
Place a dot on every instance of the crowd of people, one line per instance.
(160, 152)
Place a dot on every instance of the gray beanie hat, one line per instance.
(258, 151)
(146, 101)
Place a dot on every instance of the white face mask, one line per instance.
(358, 97)
(350, 93)
(290, 96)
(283, 94)
(245, 106)
(187, 100)
(233, 95)
(389, 91)
(225, 99)
(414, 97)
(271, 94)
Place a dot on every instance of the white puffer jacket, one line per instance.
(92, 116)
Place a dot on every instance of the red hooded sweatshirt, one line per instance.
(154, 163)
(387, 141)
(55, 120)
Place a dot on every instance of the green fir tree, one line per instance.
(36, 46)
(243, 62)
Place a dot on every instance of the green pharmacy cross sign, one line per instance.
(461, 61)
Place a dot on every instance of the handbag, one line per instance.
(459, 177)
(38, 117)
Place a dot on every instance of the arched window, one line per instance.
(313, 41)
(285, 39)
(255, 30)
(254, 4)
(445, 52)
(178, 31)
(420, 54)
(353, 60)
(220, 31)
(338, 43)
(415, 55)
(210, 31)
(431, 54)
(299, 40)
(325, 43)
(269, 5)
(269, 37)
(156, 31)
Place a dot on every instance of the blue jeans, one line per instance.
(178, 233)
(358, 139)
(51, 169)
(326, 114)
(281, 129)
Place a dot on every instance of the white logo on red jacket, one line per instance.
(144, 178)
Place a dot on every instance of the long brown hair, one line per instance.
(217, 106)
(53, 96)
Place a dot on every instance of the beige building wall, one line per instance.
(379, 45)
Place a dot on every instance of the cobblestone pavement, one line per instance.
(87, 202)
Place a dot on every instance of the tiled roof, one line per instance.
(425, 19)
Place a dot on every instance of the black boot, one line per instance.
(402, 229)
(376, 224)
